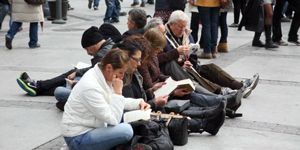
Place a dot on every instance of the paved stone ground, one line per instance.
(270, 115)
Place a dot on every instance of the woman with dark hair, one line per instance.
(94, 110)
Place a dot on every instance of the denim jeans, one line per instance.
(223, 27)
(4, 9)
(96, 3)
(62, 93)
(112, 11)
(209, 17)
(101, 138)
(33, 32)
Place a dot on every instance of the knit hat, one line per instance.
(110, 31)
(91, 36)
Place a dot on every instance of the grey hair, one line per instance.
(178, 15)
(154, 22)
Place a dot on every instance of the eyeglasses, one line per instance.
(138, 60)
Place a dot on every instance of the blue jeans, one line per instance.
(96, 3)
(223, 27)
(101, 138)
(112, 11)
(209, 17)
(62, 93)
(33, 32)
(4, 9)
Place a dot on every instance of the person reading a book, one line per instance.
(135, 46)
(93, 112)
(94, 42)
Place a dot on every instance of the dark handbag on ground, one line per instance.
(152, 133)
(35, 2)
(178, 130)
(177, 106)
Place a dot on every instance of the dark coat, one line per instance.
(135, 89)
(295, 4)
(253, 18)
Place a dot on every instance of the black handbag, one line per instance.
(35, 2)
(178, 130)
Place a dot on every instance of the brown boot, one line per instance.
(205, 55)
(223, 48)
(214, 53)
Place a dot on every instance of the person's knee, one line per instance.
(61, 94)
(127, 132)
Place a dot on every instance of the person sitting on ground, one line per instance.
(136, 21)
(94, 43)
(93, 112)
(213, 78)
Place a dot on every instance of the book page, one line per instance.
(167, 88)
(136, 115)
(186, 83)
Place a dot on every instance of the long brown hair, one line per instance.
(117, 58)
(157, 41)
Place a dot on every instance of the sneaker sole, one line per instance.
(254, 84)
(26, 88)
(247, 92)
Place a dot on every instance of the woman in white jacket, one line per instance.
(93, 112)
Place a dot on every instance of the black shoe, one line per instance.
(258, 43)
(60, 105)
(90, 4)
(142, 4)
(196, 125)
(134, 4)
(150, 2)
(294, 42)
(234, 100)
(114, 21)
(8, 42)
(96, 8)
(271, 45)
(123, 13)
(37, 45)
(204, 112)
(27, 84)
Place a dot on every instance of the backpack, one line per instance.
(154, 134)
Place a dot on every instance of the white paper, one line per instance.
(136, 115)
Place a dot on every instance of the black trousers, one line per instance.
(195, 20)
(277, 15)
(239, 6)
(47, 87)
(294, 27)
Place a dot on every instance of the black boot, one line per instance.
(210, 125)
(256, 42)
(234, 100)
(213, 125)
(205, 112)
(269, 42)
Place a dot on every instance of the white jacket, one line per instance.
(93, 104)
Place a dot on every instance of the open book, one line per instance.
(136, 115)
(171, 85)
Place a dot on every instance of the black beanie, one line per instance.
(110, 31)
(90, 37)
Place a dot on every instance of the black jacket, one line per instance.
(253, 18)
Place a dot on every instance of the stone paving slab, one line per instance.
(25, 129)
(268, 67)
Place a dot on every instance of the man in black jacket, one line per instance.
(92, 41)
